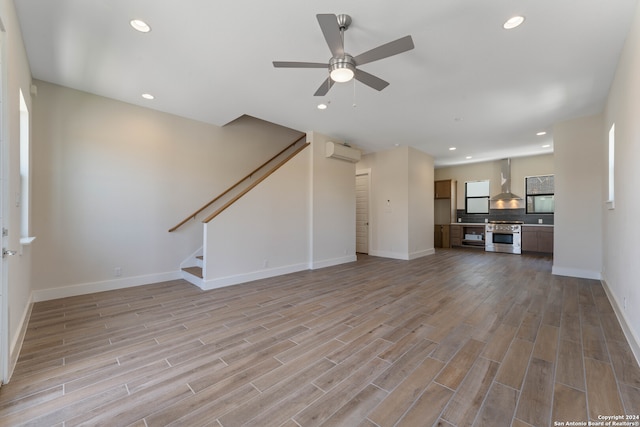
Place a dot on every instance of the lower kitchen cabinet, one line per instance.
(455, 233)
(441, 237)
(537, 239)
(467, 235)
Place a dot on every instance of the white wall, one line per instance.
(389, 216)
(578, 217)
(266, 232)
(18, 78)
(111, 179)
(421, 204)
(333, 209)
(401, 217)
(621, 233)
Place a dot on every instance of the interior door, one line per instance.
(362, 212)
(4, 331)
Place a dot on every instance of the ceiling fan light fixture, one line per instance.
(343, 69)
(341, 75)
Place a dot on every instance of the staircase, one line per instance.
(196, 270)
(193, 268)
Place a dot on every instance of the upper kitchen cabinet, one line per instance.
(444, 189)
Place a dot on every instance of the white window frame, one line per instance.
(612, 167)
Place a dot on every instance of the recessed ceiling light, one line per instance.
(140, 25)
(322, 106)
(452, 148)
(469, 157)
(513, 22)
(147, 96)
(541, 133)
(546, 146)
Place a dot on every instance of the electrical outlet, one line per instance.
(117, 271)
(265, 263)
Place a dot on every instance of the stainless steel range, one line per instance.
(503, 236)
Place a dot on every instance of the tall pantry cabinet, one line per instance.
(444, 211)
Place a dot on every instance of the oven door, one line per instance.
(503, 241)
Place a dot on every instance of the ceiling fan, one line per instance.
(342, 66)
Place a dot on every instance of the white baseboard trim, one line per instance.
(392, 255)
(632, 339)
(575, 272)
(221, 282)
(107, 285)
(16, 345)
(422, 253)
(333, 261)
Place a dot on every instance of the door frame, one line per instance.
(367, 172)
(4, 155)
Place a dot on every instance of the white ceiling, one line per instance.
(468, 83)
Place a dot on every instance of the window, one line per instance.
(612, 158)
(540, 194)
(23, 199)
(477, 197)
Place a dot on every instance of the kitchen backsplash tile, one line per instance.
(505, 215)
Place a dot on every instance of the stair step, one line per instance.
(200, 257)
(196, 271)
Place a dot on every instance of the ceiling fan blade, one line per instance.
(291, 64)
(331, 30)
(370, 80)
(324, 87)
(386, 50)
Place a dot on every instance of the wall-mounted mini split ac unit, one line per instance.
(342, 152)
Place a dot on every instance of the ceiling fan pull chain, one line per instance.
(354, 94)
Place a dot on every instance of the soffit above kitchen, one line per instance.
(468, 84)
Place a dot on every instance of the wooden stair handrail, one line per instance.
(254, 184)
(193, 215)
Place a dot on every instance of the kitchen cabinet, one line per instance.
(473, 235)
(443, 189)
(459, 234)
(537, 239)
(455, 233)
(444, 211)
(441, 236)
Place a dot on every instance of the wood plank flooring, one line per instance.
(459, 338)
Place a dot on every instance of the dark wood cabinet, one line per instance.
(545, 240)
(455, 233)
(473, 235)
(529, 239)
(441, 236)
(537, 239)
(443, 189)
(459, 233)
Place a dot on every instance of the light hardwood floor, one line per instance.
(458, 338)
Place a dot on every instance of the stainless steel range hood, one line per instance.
(505, 183)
